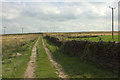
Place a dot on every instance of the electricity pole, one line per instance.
(22, 30)
(112, 21)
(4, 29)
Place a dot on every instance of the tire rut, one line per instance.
(61, 73)
(29, 73)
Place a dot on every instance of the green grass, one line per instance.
(10, 50)
(103, 38)
(44, 68)
(75, 68)
(18, 64)
(96, 39)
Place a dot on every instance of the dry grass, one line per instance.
(12, 42)
(81, 33)
(16, 53)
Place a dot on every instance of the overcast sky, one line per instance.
(58, 16)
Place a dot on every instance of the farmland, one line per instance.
(103, 36)
(81, 55)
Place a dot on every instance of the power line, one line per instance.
(112, 21)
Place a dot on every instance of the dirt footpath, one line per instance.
(58, 67)
(29, 73)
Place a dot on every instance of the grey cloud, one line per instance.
(57, 16)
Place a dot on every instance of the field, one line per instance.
(67, 51)
(101, 36)
(16, 50)
(11, 43)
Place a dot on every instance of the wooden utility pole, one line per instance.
(22, 30)
(112, 21)
(4, 29)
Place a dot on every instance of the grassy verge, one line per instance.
(44, 68)
(75, 68)
(15, 66)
